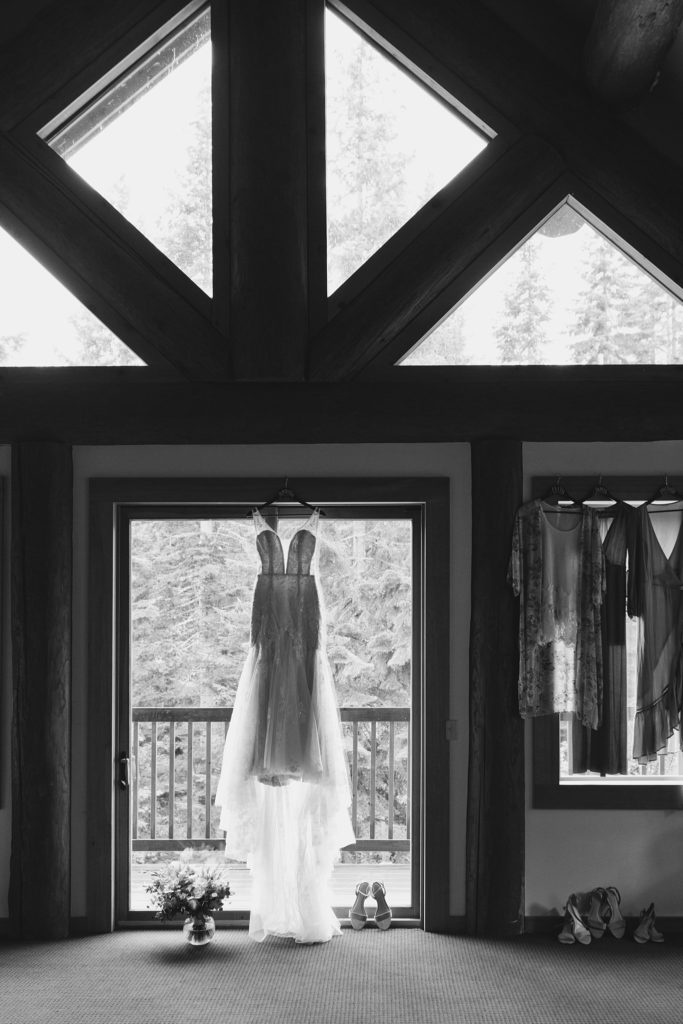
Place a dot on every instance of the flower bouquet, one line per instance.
(180, 889)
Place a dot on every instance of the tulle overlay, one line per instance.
(284, 789)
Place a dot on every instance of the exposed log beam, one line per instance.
(42, 525)
(60, 48)
(54, 214)
(461, 234)
(626, 46)
(495, 799)
(268, 187)
(565, 404)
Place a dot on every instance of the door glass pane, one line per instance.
(191, 586)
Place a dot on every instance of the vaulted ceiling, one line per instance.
(585, 98)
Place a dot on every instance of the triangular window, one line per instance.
(43, 324)
(144, 142)
(391, 145)
(568, 295)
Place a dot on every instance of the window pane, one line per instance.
(568, 295)
(391, 145)
(145, 145)
(43, 324)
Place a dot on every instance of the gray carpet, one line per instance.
(402, 976)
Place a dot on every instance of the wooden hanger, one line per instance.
(285, 494)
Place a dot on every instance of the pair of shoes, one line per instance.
(645, 929)
(357, 914)
(573, 929)
(616, 925)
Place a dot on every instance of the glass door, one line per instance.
(186, 577)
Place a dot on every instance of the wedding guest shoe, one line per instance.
(357, 913)
(596, 913)
(645, 929)
(383, 914)
(615, 922)
(579, 930)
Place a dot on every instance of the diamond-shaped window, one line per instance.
(55, 331)
(144, 142)
(391, 144)
(568, 295)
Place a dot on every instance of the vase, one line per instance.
(199, 929)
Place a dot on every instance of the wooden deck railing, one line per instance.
(169, 814)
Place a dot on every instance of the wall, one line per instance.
(641, 852)
(5, 686)
(445, 460)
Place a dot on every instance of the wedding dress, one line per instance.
(284, 788)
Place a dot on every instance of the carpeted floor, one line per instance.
(402, 976)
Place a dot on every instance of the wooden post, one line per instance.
(40, 867)
(268, 214)
(495, 806)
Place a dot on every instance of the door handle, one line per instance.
(124, 765)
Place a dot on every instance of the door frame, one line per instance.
(107, 496)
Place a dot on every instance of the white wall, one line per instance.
(641, 852)
(375, 460)
(5, 687)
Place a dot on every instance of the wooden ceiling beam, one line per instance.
(426, 407)
(53, 213)
(626, 47)
(465, 230)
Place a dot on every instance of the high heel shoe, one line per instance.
(383, 913)
(596, 909)
(357, 914)
(579, 930)
(645, 929)
(615, 922)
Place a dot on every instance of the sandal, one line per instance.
(579, 930)
(615, 923)
(357, 914)
(595, 919)
(645, 929)
(383, 913)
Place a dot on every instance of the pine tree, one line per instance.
(607, 329)
(366, 174)
(520, 331)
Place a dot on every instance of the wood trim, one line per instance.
(495, 801)
(268, 189)
(47, 206)
(431, 495)
(71, 44)
(546, 789)
(317, 168)
(220, 165)
(464, 230)
(41, 582)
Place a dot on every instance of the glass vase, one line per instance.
(199, 929)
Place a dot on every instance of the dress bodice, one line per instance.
(300, 552)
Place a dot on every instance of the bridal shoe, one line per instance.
(357, 912)
(383, 914)
(578, 928)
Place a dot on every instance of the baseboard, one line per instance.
(77, 926)
(550, 923)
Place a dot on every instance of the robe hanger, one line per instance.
(558, 495)
(285, 494)
(600, 497)
(665, 495)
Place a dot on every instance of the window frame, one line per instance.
(547, 792)
(107, 496)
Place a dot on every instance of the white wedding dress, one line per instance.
(284, 788)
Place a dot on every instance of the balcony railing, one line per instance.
(169, 814)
